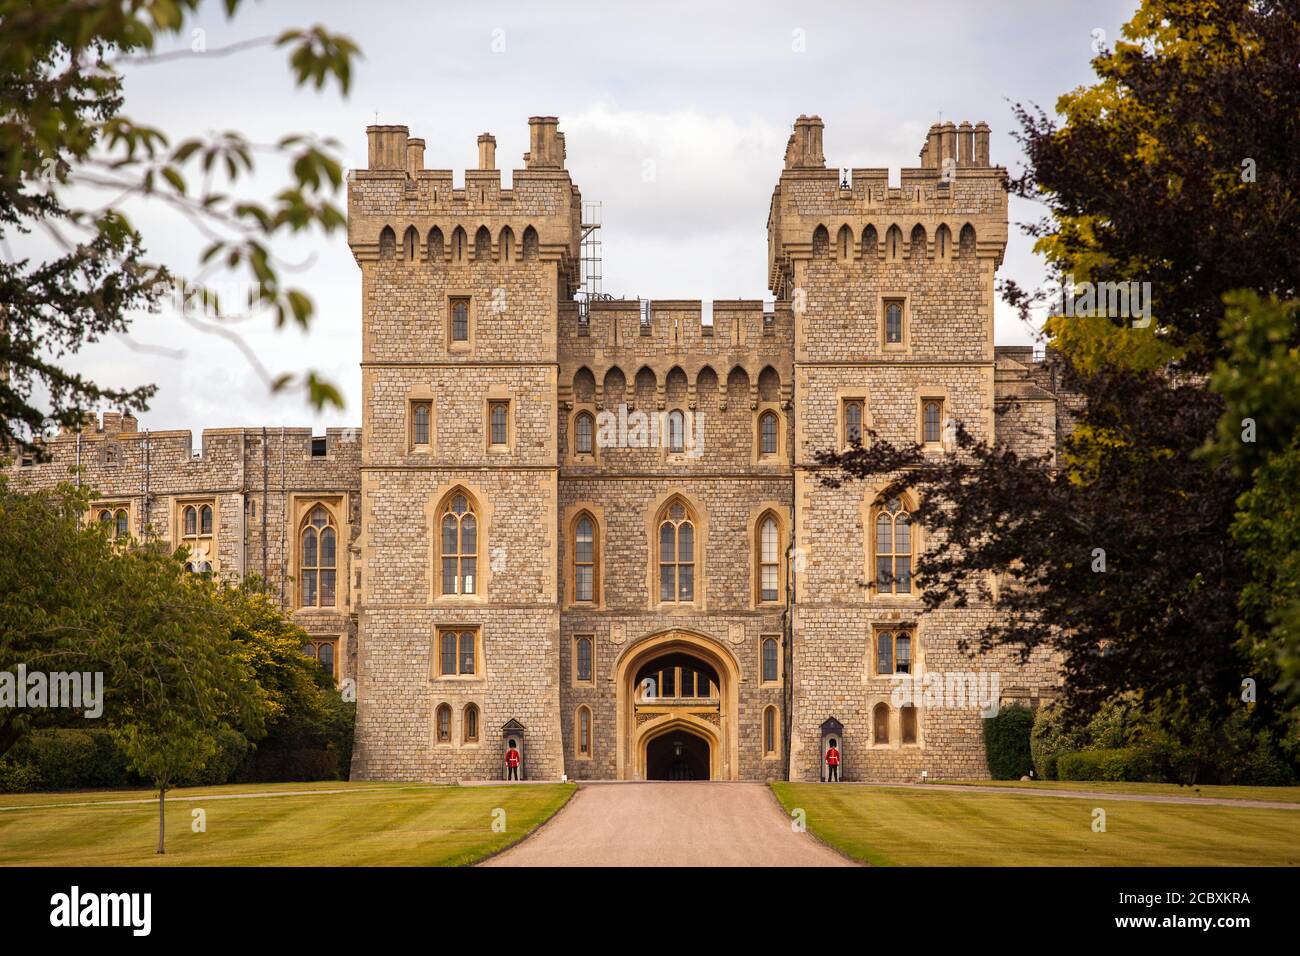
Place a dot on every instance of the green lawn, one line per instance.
(1275, 794)
(367, 824)
(889, 826)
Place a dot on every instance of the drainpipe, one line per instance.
(787, 647)
(284, 515)
(266, 464)
(148, 467)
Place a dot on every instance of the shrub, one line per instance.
(1006, 743)
(72, 760)
(1050, 738)
(1131, 764)
(18, 777)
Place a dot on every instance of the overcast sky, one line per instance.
(700, 94)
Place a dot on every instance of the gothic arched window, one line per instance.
(771, 668)
(769, 559)
(469, 724)
(893, 548)
(676, 428)
(458, 544)
(318, 558)
(584, 427)
(676, 552)
(767, 433)
(585, 563)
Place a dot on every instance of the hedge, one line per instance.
(1131, 764)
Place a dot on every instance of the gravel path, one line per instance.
(670, 824)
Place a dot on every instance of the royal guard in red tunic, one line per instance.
(832, 763)
(512, 764)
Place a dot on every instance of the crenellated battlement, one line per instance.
(955, 198)
(399, 209)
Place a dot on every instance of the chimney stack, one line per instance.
(545, 147)
(387, 146)
(965, 144)
(414, 157)
(981, 143)
(805, 151)
(487, 151)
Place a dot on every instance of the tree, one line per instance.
(71, 599)
(65, 134)
(1146, 179)
(308, 724)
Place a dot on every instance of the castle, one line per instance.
(593, 527)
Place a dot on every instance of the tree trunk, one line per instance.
(162, 792)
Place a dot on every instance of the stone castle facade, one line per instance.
(594, 528)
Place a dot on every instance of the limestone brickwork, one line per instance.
(260, 483)
(484, 368)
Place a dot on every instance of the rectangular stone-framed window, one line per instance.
(895, 323)
(852, 421)
(498, 423)
(931, 420)
(584, 659)
(421, 425)
(460, 323)
(769, 658)
(195, 524)
(771, 733)
(893, 650)
(325, 651)
(458, 653)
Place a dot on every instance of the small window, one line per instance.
(907, 724)
(470, 724)
(457, 653)
(770, 660)
(675, 430)
(853, 422)
(584, 427)
(117, 521)
(498, 423)
(880, 724)
(584, 732)
(460, 320)
(894, 652)
(767, 433)
(931, 416)
(27, 461)
(319, 447)
(191, 521)
(582, 666)
(893, 321)
(322, 651)
(444, 724)
(769, 731)
(420, 412)
(205, 519)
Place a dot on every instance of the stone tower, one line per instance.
(892, 293)
(457, 563)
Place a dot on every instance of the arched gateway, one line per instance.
(677, 708)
